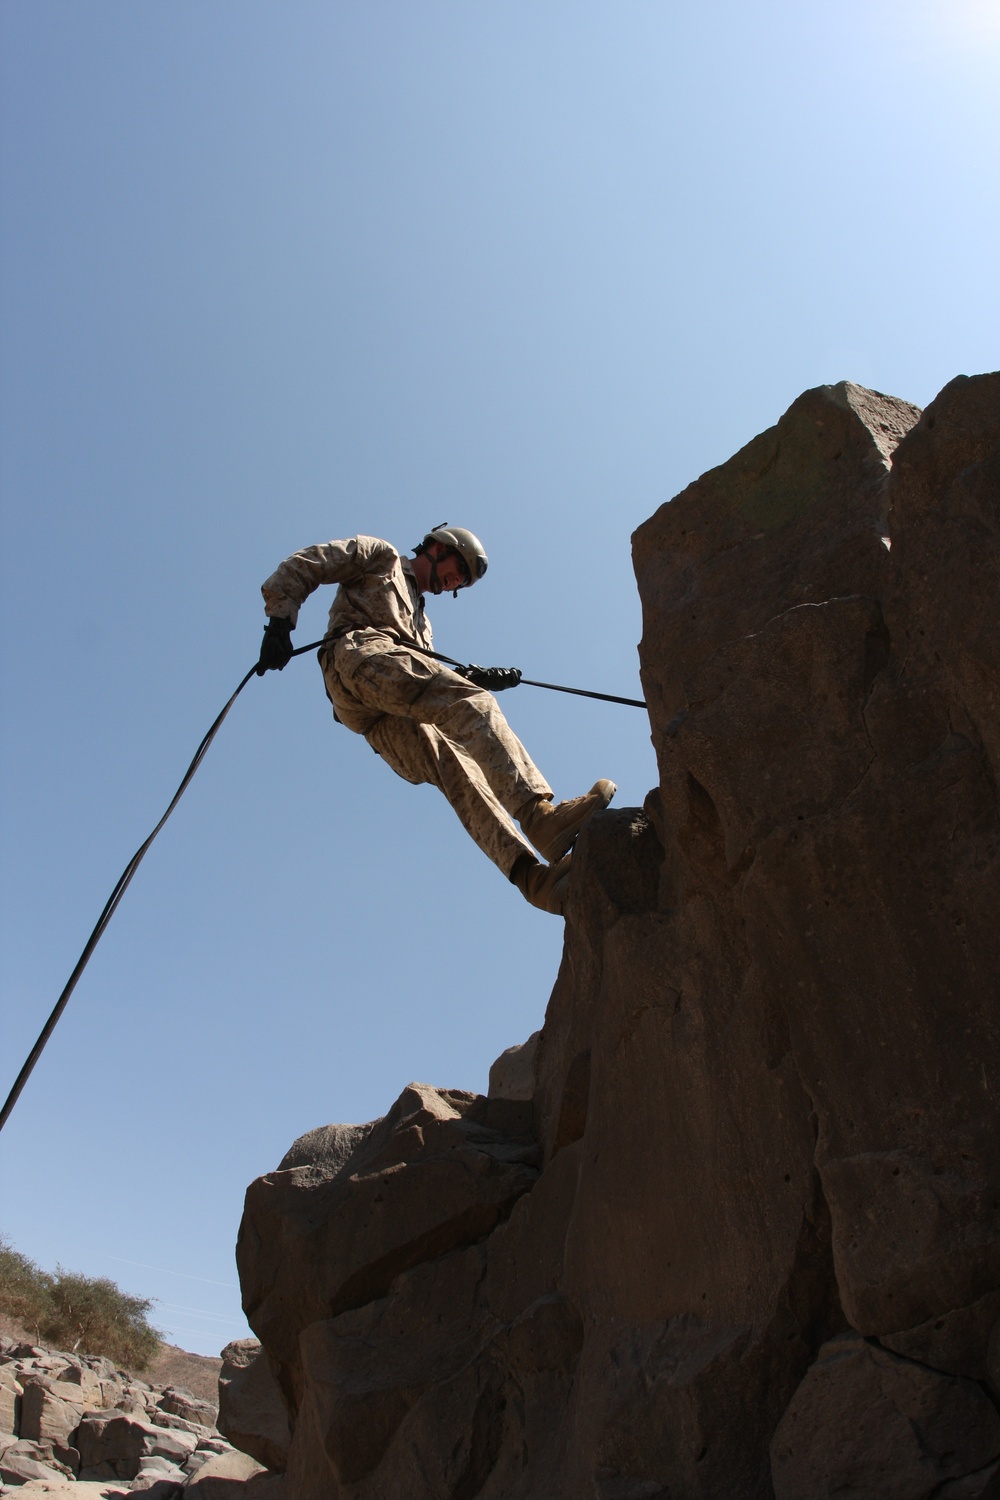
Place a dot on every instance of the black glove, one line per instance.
(276, 647)
(493, 679)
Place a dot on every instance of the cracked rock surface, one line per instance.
(734, 1232)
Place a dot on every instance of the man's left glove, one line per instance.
(493, 679)
(276, 647)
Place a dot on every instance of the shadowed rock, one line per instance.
(252, 1412)
(762, 1255)
(318, 1240)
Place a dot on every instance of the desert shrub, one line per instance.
(92, 1315)
(87, 1314)
(25, 1291)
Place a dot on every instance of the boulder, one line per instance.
(223, 1477)
(24, 1461)
(46, 1417)
(10, 1400)
(242, 1352)
(179, 1402)
(153, 1463)
(158, 1479)
(252, 1411)
(112, 1445)
(198, 1460)
(18, 1468)
(868, 1424)
(512, 1076)
(89, 1388)
(318, 1239)
(963, 1341)
(213, 1445)
(178, 1424)
(326, 1149)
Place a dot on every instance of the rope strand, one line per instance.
(125, 878)
(122, 885)
(553, 687)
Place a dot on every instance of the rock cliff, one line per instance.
(730, 1226)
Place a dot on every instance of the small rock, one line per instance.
(180, 1424)
(512, 1076)
(10, 1400)
(240, 1353)
(20, 1464)
(216, 1479)
(86, 1384)
(183, 1403)
(45, 1416)
(154, 1463)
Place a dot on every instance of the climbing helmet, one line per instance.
(468, 547)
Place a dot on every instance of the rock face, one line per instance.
(743, 1238)
(252, 1412)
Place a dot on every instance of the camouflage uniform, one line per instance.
(426, 721)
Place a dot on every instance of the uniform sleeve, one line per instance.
(330, 562)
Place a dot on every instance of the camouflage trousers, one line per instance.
(432, 726)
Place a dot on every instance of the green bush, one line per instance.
(24, 1289)
(93, 1314)
(85, 1314)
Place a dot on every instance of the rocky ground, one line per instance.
(76, 1425)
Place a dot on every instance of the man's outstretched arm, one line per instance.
(329, 562)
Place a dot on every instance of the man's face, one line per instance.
(451, 572)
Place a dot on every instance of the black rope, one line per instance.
(125, 878)
(553, 687)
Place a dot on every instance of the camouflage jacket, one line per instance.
(377, 589)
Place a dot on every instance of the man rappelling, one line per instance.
(430, 723)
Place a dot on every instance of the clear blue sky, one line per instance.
(276, 271)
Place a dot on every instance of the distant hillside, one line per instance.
(198, 1373)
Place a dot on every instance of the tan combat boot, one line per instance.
(544, 886)
(552, 826)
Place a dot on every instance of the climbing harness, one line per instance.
(125, 878)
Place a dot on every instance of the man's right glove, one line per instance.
(276, 647)
(493, 679)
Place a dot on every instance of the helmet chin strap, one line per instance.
(436, 585)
